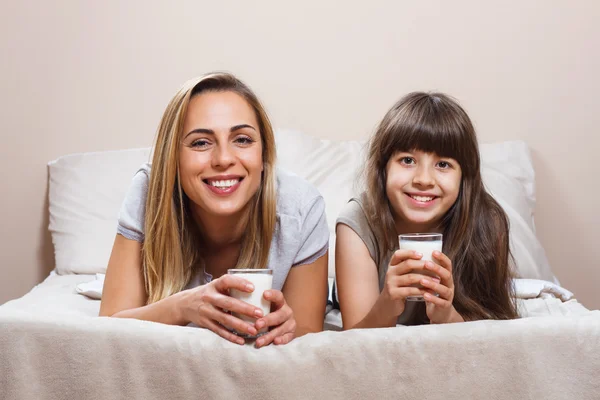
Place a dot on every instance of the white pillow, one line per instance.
(85, 196)
(508, 175)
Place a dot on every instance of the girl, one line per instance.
(423, 175)
(212, 201)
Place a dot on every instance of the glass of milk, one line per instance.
(262, 279)
(426, 244)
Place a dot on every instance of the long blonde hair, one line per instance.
(172, 244)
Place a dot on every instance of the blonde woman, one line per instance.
(212, 200)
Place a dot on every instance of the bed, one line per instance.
(53, 344)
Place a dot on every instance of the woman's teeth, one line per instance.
(224, 184)
(423, 199)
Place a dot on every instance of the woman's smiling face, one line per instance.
(220, 160)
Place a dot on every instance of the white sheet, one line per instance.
(53, 345)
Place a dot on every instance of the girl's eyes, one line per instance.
(407, 160)
(411, 161)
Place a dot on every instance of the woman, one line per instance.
(212, 201)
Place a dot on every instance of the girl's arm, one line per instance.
(361, 302)
(357, 283)
(305, 291)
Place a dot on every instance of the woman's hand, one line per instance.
(439, 308)
(207, 306)
(281, 319)
(400, 280)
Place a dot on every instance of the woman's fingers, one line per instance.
(275, 318)
(224, 333)
(284, 339)
(229, 303)
(226, 282)
(288, 326)
(275, 297)
(232, 322)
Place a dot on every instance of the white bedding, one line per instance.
(543, 298)
(53, 345)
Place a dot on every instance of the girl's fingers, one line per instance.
(443, 259)
(438, 301)
(407, 279)
(402, 255)
(405, 267)
(402, 293)
(444, 274)
(443, 291)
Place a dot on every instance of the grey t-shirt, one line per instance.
(353, 215)
(301, 234)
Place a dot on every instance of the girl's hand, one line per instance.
(399, 281)
(281, 318)
(439, 308)
(207, 306)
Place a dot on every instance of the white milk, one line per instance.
(261, 283)
(425, 248)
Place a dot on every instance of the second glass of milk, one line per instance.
(426, 244)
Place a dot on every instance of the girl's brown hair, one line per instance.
(475, 228)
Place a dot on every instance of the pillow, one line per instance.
(85, 196)
(508, 175)
(329, 165)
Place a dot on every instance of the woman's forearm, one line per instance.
(166, 311)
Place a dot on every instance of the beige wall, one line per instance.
(82, 76)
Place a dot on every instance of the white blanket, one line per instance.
(53, 345)
(524, 289)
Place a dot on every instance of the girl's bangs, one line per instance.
(429, 136)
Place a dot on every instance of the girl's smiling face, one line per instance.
(421, 188)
